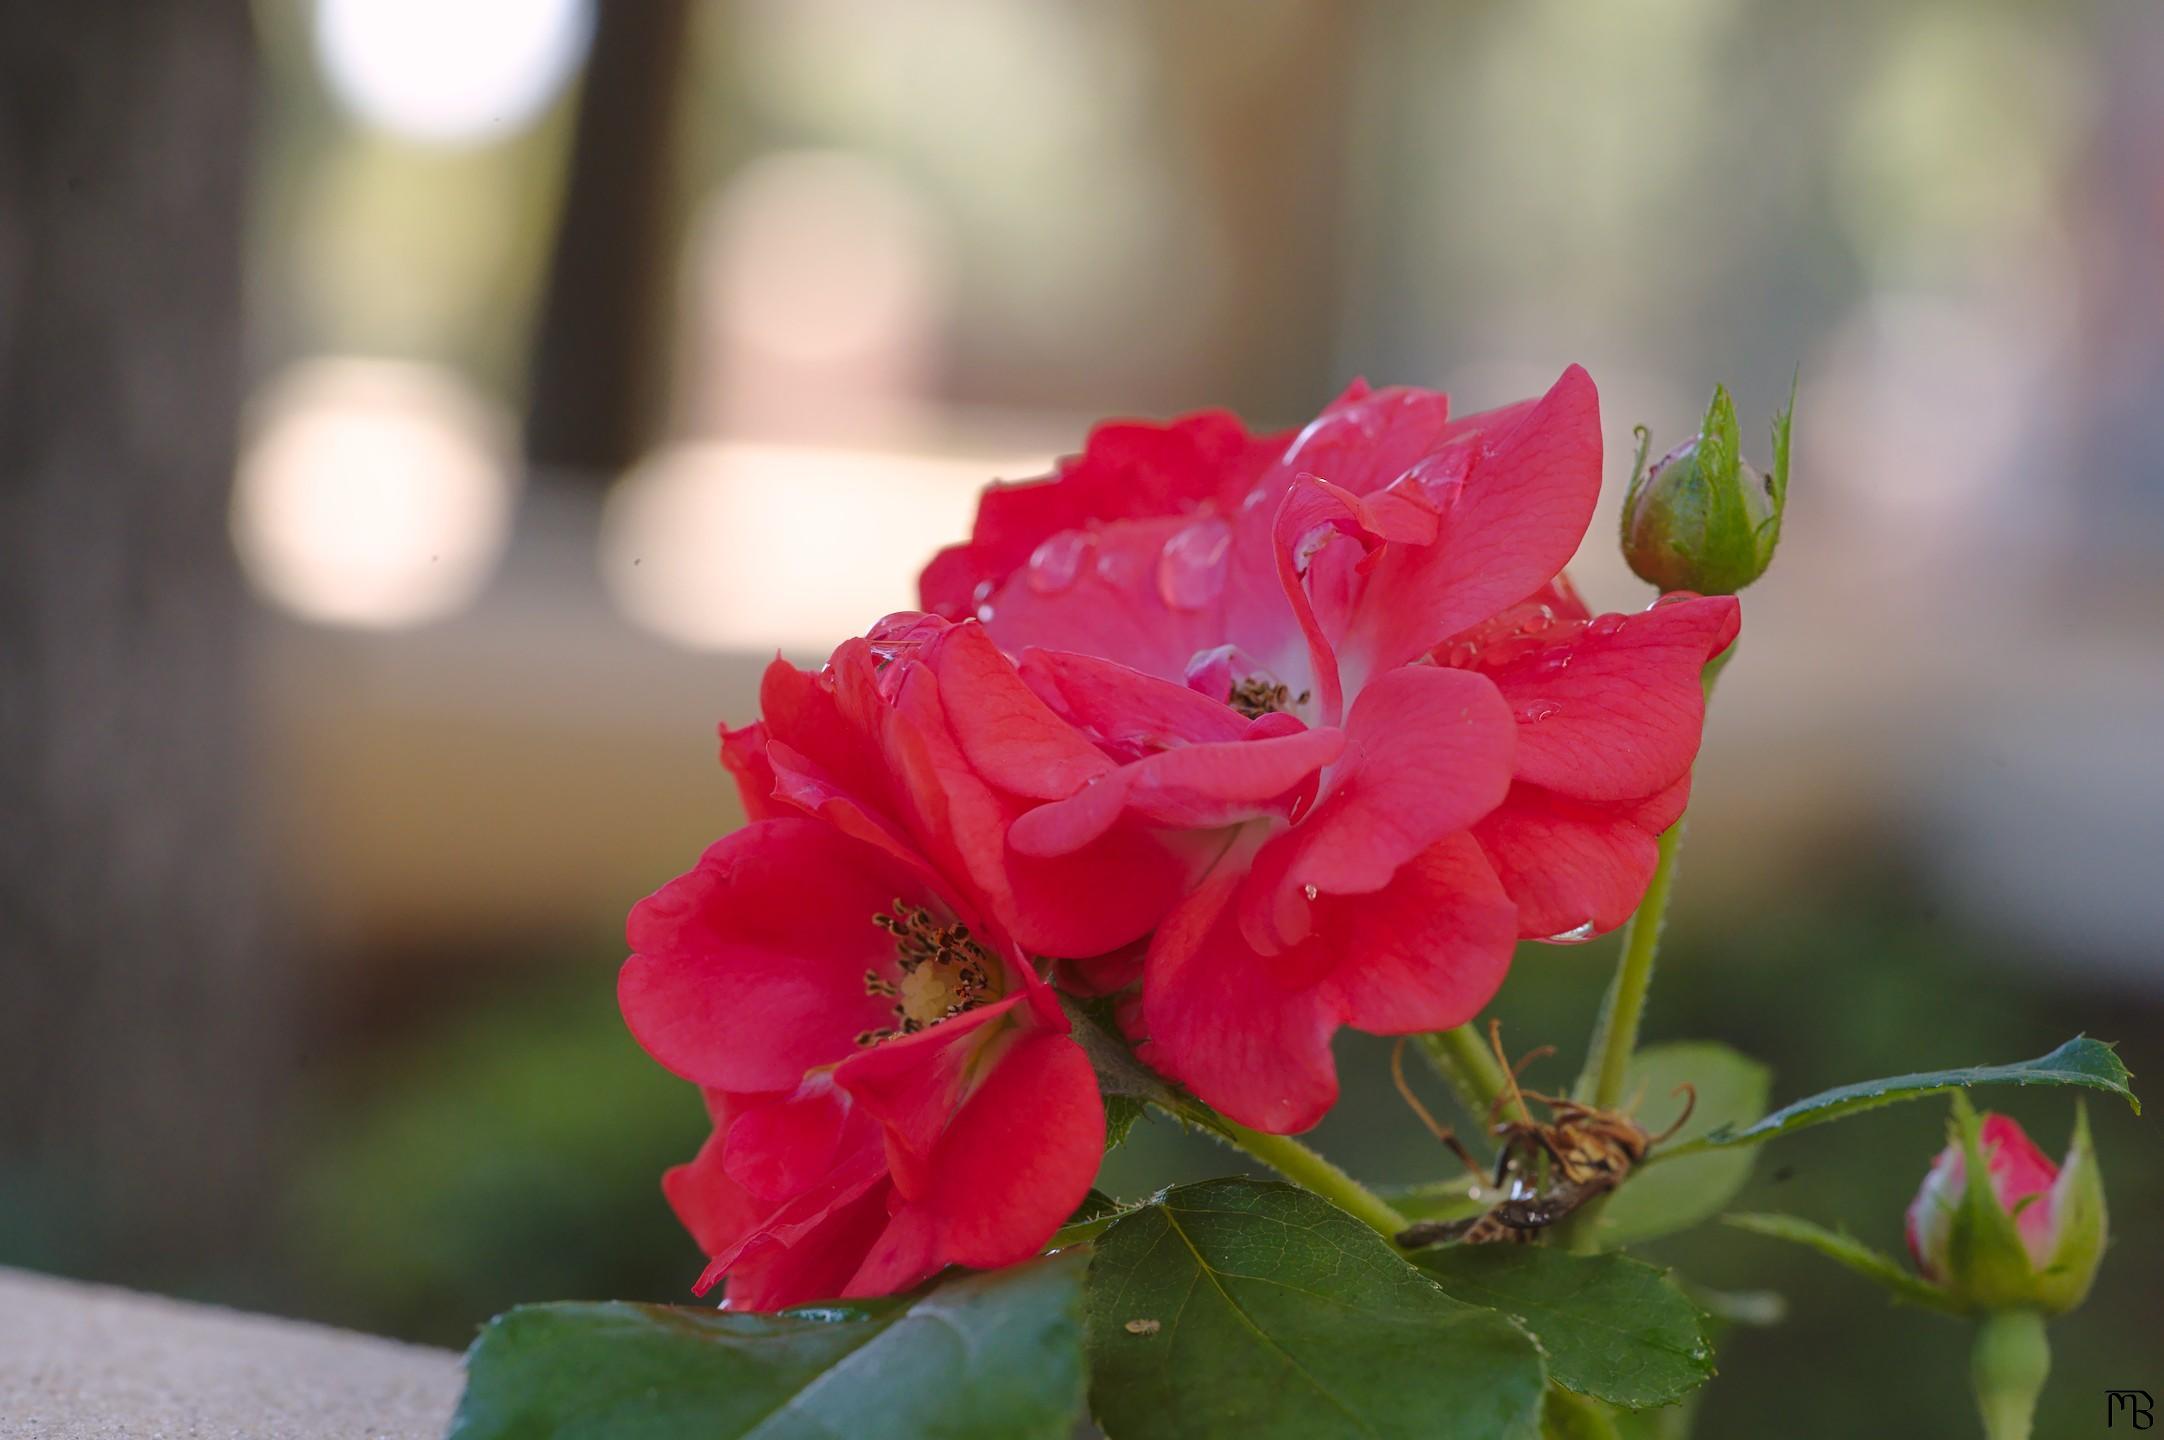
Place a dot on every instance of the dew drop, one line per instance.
(1118, 568)
(982, 593)
(1054, 564)
(984, 614)
(1576, 935)
(1535, 711)
(1310, 891)
(1191, 570)
(1603, 626)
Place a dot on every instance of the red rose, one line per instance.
(1384, 534)
(893, 1089)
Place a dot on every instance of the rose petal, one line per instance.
(749, 969)
(1616, 713)
(1429, 753)
(1250, 1034)
(1020, 1155)
(1430, 949)
(1570, 864)
(1010, 737)
(1124, 707)
(1514, 505)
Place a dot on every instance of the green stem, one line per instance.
(1289, 1158)
(1464, 1061)
(2008, 1367)
(1615, 1035)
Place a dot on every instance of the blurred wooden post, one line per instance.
(145, 1024)
(1264, 125)
(596, 392)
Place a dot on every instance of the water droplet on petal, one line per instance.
(982, 593)
(1118, 568)
(1535, 711)
(1603, 626)
(984, 614)
(1191, 571)
(1054, 564)
(1576, 935)
(1310, 891)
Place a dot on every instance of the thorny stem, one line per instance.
(1289, 1158)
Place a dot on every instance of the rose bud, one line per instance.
(2029, 1236)
(1702, 519)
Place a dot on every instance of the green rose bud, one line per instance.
(1702, 518)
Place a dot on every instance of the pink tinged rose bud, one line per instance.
(2021, 1181)
(2029, 1235)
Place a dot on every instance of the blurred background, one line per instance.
(420, 419)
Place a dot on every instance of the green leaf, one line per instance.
(1843, 1248)
(2080, 1061)
(1251, 1309)
(1090, 1219)
(993, 1356)
(1121, 1113)
(1613, 1328)
(1662, 1199)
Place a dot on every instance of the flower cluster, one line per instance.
(1262, 735)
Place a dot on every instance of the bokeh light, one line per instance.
(744, 547)
(372, 493)
(450, 71)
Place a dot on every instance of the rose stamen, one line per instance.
(945, 972)
(1255, 697)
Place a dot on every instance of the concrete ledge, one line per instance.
(84, 1362)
